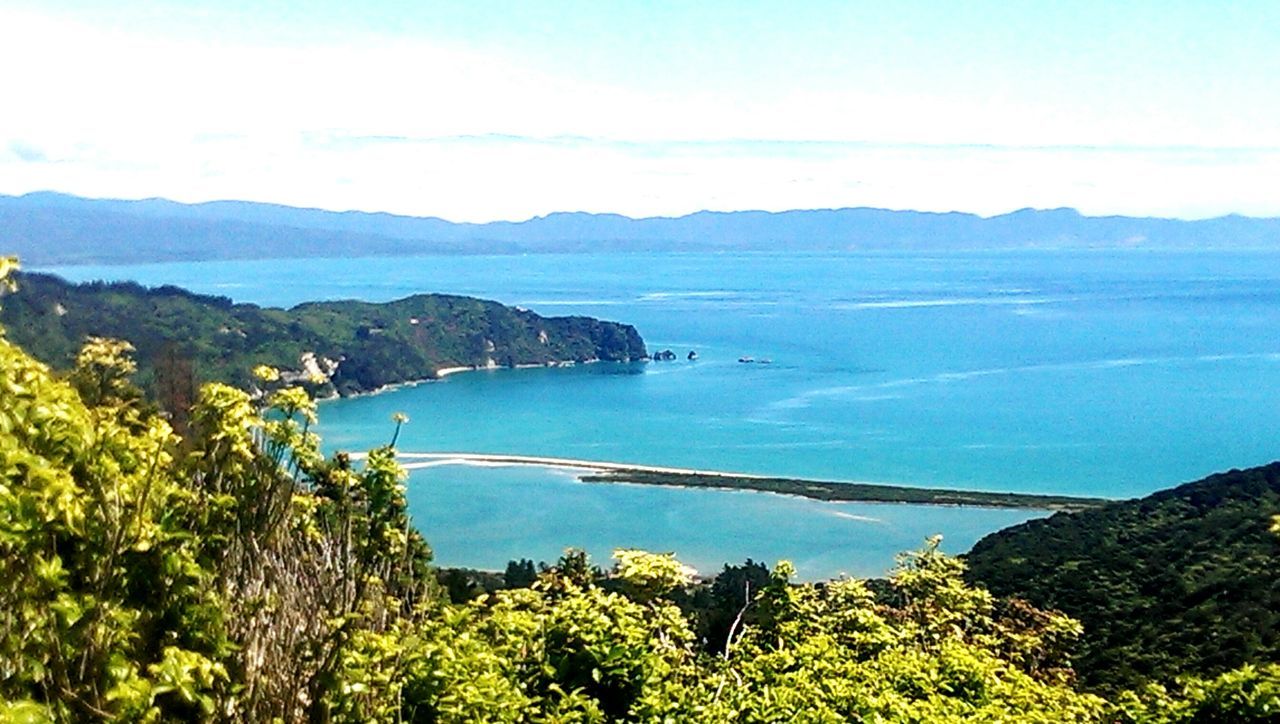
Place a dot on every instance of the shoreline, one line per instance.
(595, 471)
(574, 463)
(442, 372)
(378, 391)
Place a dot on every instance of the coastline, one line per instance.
(553, 462)
(442, 372)
(595, 471)
(382, 389)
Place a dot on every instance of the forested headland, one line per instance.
(182, 339)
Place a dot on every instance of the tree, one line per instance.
(175, 386)
(519, 574)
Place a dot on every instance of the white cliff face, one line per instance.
(313, 369)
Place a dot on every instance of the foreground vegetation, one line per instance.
(235, 574)
(182, 339)
(1184, 580)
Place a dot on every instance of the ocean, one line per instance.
(1106, 373)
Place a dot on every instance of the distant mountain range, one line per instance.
(46, 228)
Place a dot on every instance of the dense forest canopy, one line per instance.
(1183, 580)
(235, 574)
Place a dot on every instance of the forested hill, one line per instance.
(183, 338)
(48, 228)
(1185, 580)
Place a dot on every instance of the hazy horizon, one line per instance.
(53, 192)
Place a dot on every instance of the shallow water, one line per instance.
(1098, 373)
(482, 516)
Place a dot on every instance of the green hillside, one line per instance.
(1184, 580)
(184, 335)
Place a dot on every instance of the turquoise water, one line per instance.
(1099, 373)
(484, 516)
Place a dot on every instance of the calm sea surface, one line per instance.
(1099, 373)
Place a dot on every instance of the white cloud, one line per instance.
(109, 113)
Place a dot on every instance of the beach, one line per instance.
(824, 490)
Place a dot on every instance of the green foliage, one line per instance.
(103, 372)
(1248, 694)
(519, 574)
(726, 604)
(836, 653)
(8, 267)
(106, 607)
(149, 580)
(647, 576)
(1180, 582)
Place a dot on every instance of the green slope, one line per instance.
(373, 344)
(1182, 581)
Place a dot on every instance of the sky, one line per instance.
(477, 111)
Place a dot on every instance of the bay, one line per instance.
(1110, 373)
